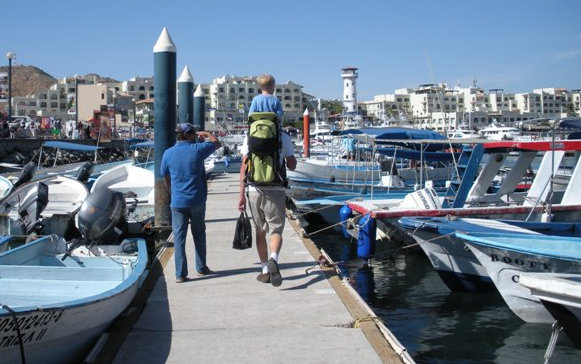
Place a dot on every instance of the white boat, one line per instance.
(463, 133)
(500, 132)
(506, 256)
(561, 295)
(54, 309)
(218, 164)
(471, 196)
(5, 187)
(458, 268)
(46, 206)
(136, 184)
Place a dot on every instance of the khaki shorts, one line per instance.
(268, 209)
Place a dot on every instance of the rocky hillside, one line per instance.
(30, 79)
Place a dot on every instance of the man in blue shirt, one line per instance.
(182, 167)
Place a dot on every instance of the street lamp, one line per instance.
(10, 56)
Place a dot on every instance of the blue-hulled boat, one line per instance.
(505, 256)
(53, 309)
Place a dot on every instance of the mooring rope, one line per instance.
(20, 342)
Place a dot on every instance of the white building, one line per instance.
(140, 88)
(228, 99)
(438, 107)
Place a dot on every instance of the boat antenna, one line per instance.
(438, 95)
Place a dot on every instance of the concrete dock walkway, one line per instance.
(230, 317)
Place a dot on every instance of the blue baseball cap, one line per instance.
(185, 128)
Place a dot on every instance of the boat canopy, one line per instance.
(71, 146)
(415, 154)
(408, 137)
(148, 144)
(395, 133)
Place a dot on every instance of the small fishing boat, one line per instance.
(505, 256)
(56, 300)
(45, 206)
(136, 184)
(561, 296)
(224, 164)
(457, 266)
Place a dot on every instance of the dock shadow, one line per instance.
(146, 337)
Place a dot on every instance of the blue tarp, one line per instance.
(135, 140)
(570, 123)
(71, 146)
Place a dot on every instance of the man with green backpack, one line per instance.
(267, 153)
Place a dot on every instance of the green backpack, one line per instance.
(262, 165)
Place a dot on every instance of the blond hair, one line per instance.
(266, 82)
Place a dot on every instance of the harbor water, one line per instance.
(433, 323)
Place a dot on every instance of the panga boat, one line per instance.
(506, 256)
(57, 300)
(45, 206)
(136, 184)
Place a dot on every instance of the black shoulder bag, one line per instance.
(243, 233)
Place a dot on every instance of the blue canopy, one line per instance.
(148, 144)
(570, 123)
(396, 133)
(71, 146)
(402, 136)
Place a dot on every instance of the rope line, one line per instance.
(20, 342)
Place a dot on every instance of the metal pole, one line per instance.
(164, 76)
(76, 101)
(10, 55)
(306, 132)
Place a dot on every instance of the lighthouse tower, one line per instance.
(349, 75)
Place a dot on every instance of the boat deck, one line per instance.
(229, 316)
(45, 282)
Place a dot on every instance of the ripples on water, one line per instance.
(435, 324)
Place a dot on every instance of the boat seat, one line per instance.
(17, 292)
(59, 273)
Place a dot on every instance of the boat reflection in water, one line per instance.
(435, 324)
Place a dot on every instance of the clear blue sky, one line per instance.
(513, 45)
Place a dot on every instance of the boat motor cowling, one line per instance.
(84, 172)
(31, 207)
(102, 217)
(26, 174)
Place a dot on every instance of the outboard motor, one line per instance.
(102, 217)
(26, 174)
(31, 208)
(84, 172)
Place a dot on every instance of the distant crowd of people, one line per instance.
(46, 128)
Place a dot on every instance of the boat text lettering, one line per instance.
(520, 262)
